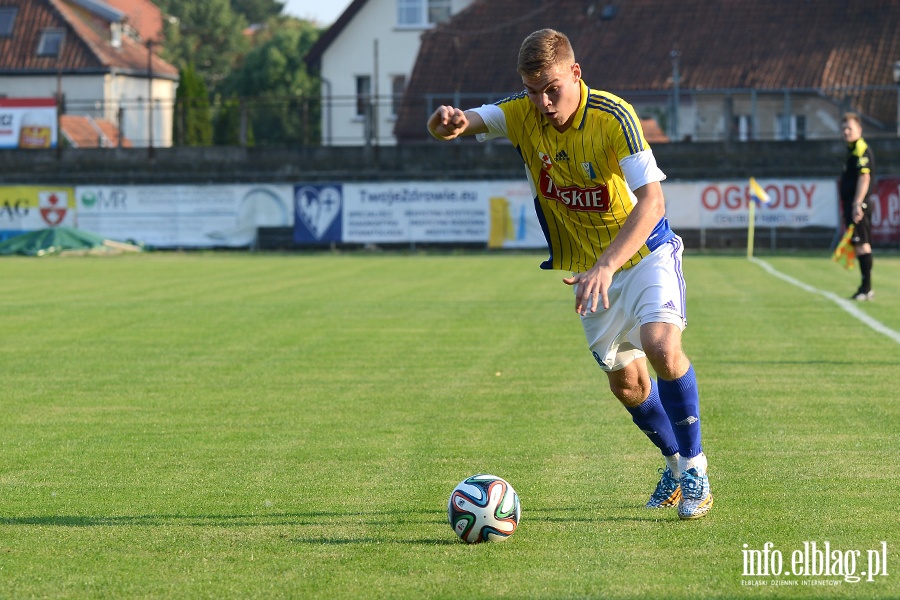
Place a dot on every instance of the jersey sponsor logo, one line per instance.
(593, 199)
(562, 155)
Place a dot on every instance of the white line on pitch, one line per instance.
(847, 305)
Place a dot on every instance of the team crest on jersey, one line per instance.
(545, 159)
(588, 169)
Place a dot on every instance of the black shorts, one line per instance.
(862, 232)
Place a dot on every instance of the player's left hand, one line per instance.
(592, 289)
(857, 213)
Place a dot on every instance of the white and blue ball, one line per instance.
(484, 508)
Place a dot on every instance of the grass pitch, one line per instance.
(238, 426)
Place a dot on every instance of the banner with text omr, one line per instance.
(190, 216)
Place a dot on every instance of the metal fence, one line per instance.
(692, 115)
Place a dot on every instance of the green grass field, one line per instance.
(266, 426)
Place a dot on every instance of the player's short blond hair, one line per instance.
(542, 50)
(852, 116)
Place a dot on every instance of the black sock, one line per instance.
(865, 267)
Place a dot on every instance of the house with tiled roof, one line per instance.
(365, 59)
(704, 70)
(99, 55)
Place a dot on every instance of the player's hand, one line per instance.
(447, 122)
(593, 286)
(857, 213)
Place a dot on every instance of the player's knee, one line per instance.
(668, 361)
(630, 392)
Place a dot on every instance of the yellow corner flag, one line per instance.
(844, 253)
(757, 193)
(759, 197)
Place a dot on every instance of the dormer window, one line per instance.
(115, 35)
(51, 42)
(422, 13)
(7, 20)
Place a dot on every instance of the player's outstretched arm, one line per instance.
(448, 122)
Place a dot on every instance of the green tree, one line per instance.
(207, 34)
(257, 11)
(286, 104)
(228, 124)
(192, 125)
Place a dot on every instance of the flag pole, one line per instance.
(751, 227)
(755, 195)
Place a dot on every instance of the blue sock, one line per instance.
(681, 400)
(651, 418)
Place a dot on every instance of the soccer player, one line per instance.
(599, 201)
(857, 177)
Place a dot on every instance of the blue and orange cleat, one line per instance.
(667, 492)
(696, 499)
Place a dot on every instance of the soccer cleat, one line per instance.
(667, 492)
(863, 296)
(696, 500)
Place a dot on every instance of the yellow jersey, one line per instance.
(580, 193)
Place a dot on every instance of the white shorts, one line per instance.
(650, 292)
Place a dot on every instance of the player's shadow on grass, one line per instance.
(581, 514)
(838, 363)
(397, 520)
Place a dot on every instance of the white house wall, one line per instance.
(101, 96)
(352, 54)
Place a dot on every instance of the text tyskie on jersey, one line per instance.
(594, 199)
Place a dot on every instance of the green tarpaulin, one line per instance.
(62, 240)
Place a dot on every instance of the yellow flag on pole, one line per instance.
(845, 253)
(759, 197)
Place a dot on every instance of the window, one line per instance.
(438, 11)
(791, 128)
(7, 20)
(398, 86)
(51, 42)
(363, 94)
(422, 13)
(743, 128)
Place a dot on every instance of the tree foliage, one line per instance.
(259, 80)
(286, 97)
(228, 123)
(192, 125)
(207, 34)
(257, 11)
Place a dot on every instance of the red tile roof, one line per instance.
(87, 44)
(145, 17)
(84, 131)
(762, 44)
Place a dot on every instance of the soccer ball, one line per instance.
(483, 508)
